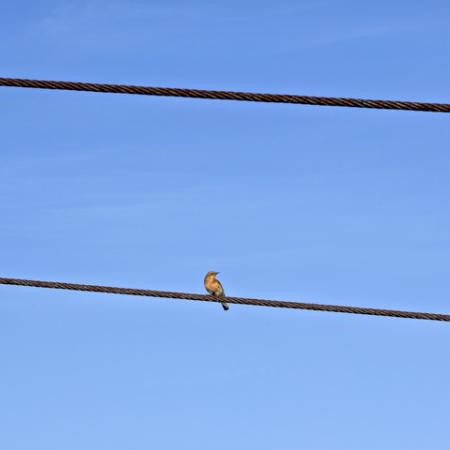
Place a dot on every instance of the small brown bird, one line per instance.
(213, 286)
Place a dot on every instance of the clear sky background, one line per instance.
(329, 205)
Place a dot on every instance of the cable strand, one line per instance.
(225, 95)
(233, 300)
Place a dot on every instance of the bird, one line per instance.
(214, 287)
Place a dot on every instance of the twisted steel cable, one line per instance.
(234, 300)
(226, 95)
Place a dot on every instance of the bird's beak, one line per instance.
(217, 273)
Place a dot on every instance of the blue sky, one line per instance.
(318, 204)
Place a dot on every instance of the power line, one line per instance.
(226, 95)
(234, 300)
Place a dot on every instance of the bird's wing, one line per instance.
(222, 292)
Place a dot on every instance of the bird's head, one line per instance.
(212, 274)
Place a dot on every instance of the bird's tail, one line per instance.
(225, 306)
